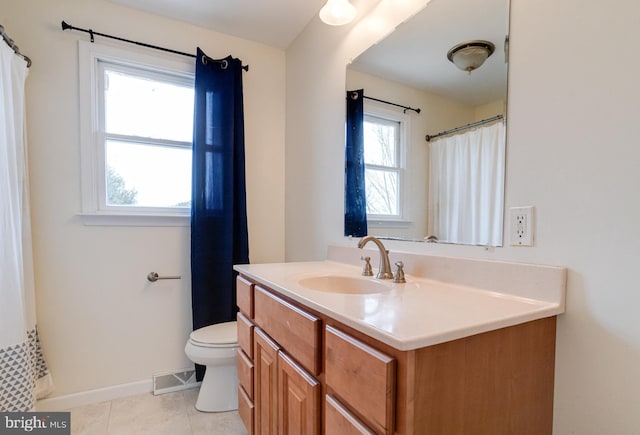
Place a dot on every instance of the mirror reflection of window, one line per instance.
(382, 167)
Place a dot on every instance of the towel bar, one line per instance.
(153, 277)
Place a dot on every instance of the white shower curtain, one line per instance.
(466, 185)
(23, 372)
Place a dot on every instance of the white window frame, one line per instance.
(92, 139)
(381, 221)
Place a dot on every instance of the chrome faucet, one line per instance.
(384, 272)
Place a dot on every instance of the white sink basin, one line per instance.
(343, 284)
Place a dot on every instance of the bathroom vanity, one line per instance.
(326, 351)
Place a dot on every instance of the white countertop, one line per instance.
(408, 316)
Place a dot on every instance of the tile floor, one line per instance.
(146, 414)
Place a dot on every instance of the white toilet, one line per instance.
(215, 347)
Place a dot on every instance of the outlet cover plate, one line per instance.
(521, 226)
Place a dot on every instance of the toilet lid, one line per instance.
(218, 334)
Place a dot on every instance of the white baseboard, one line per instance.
(61, 403)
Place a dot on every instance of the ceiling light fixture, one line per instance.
(470, 55)
(337, 12)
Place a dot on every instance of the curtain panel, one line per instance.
(355, 201)
(466, 185)
(24, 376)
(219, 236)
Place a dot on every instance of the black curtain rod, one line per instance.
(13, 46)
(393, 104)
(464, 127)
(354, 95)
(205, 59)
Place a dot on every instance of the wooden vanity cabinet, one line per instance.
(315, 375)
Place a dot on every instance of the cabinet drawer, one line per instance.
(338, 420)
(245, 372)
(293, 329)
(245, 334)
(361, 377)
(244, 296)
(246, 409)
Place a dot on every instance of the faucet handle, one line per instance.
(399, 275)
(367, 271)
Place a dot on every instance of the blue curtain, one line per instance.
(219, 236)
(355, 199)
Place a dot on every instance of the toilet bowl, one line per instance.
(215, 347)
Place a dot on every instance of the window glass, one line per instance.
(148, 129)
(382, 167)
(382, 192)
(381, 141)
(139, 174)
(154, 106)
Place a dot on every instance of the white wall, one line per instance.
(101, 322)
(572, 153)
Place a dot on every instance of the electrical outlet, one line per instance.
(521, 223)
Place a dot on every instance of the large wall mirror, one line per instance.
(410, 67)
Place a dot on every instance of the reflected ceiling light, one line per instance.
(337, 12)
(470, 55)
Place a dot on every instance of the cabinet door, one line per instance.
(266, 384)
(298, 399)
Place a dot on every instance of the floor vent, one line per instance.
(174, 381)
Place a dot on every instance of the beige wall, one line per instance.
(102, 324)
(489, 110)
(572, 153)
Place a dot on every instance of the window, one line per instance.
(384, 164)
(137, 127)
